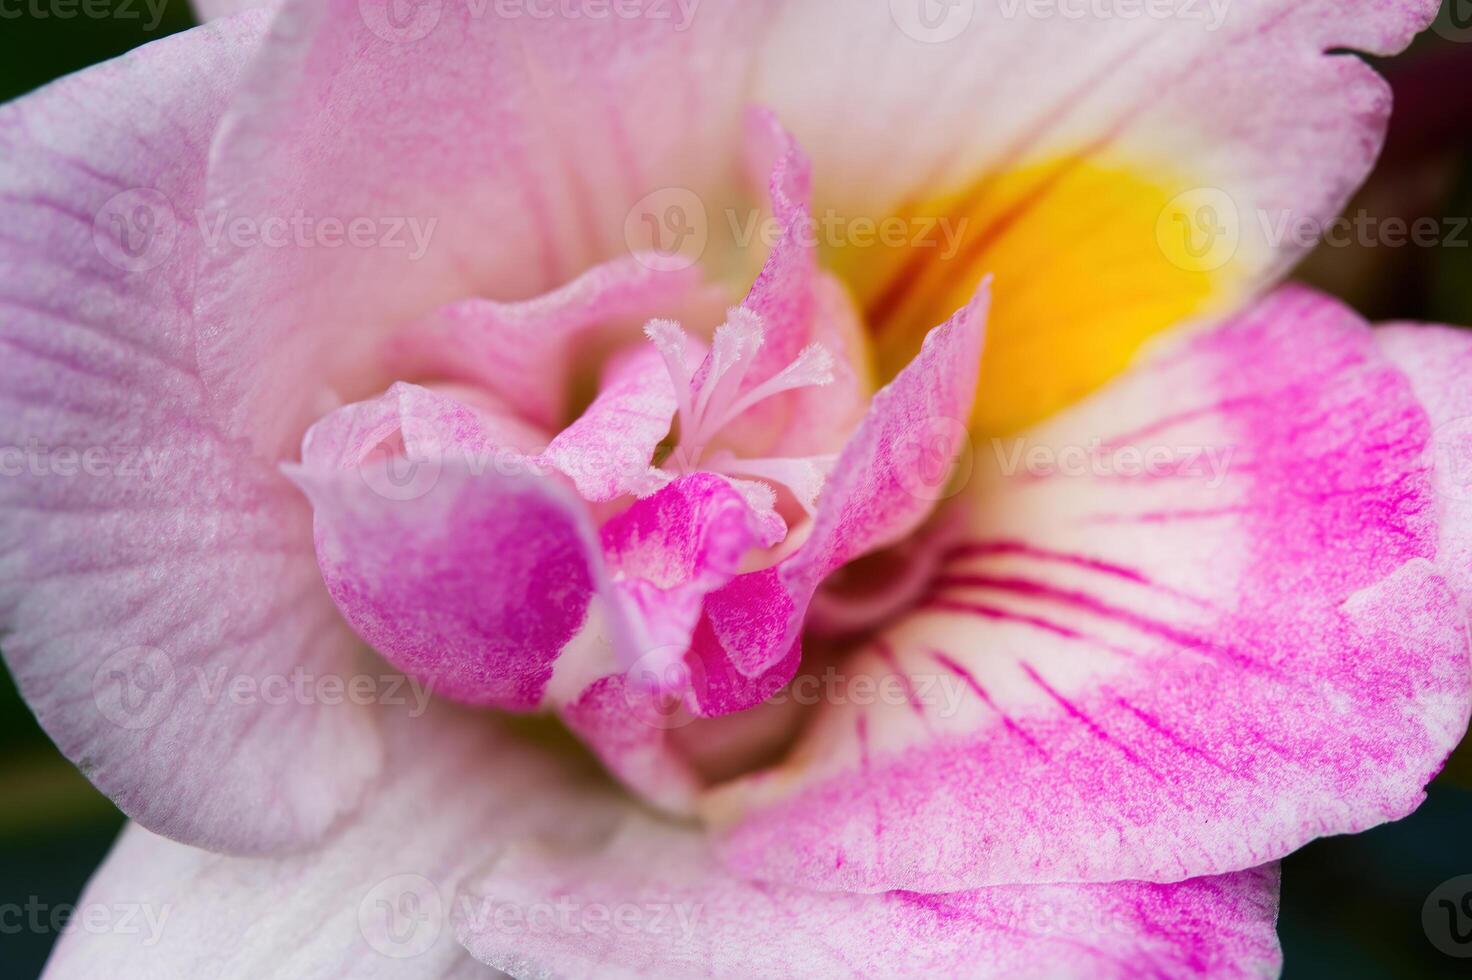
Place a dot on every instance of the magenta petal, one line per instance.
(664, 556)
(1151, 673)
(1438, 362)
(455, 562)
(667, 552)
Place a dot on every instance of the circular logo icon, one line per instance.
(1199, 230)
(1447, 916)
(1454, 21)
(932, 21)
(1451, 458)
(401, 916)
(408, 475)
(135, 230)
(660, 686)
(933, 461)
(668, 229)
(401, 21)
(134, 688)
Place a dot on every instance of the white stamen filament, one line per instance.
(719, 400)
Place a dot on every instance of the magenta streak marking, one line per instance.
(886, 653)
(1091, 604)
(1003, 615)
(978, 549)
(1167, 516)
(960, 671)
(861, 729)
(1155, 725)
(1089, 723)
(1160, 425)
(982, 549)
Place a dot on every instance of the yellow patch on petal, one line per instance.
(1091, 260)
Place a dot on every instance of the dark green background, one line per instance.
(1351, 905)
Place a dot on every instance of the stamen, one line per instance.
(812, 368)
(707, 407)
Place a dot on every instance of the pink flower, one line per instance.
(378, 371)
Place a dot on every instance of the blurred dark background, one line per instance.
(1352, 906)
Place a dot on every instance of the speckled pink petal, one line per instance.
(454, 558)
(608, 451)
(1438, 362)
(667, 552)
(798, 305)
(522, 351)
(157, 586)
(1220, 639)
(664, 556)
(877, 493)
(651, 901)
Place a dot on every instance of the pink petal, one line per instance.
(522, 351)
(872, 499)
(1151, 674)
(215, 9)
(664, 556)
(798, 305)
(517, 147)
(149, 567)
(374, 901)
(449, 556)
(1438, 362)
(608, 450)
(1251, 105)
(651, 901)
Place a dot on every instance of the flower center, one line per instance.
(712, 397)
